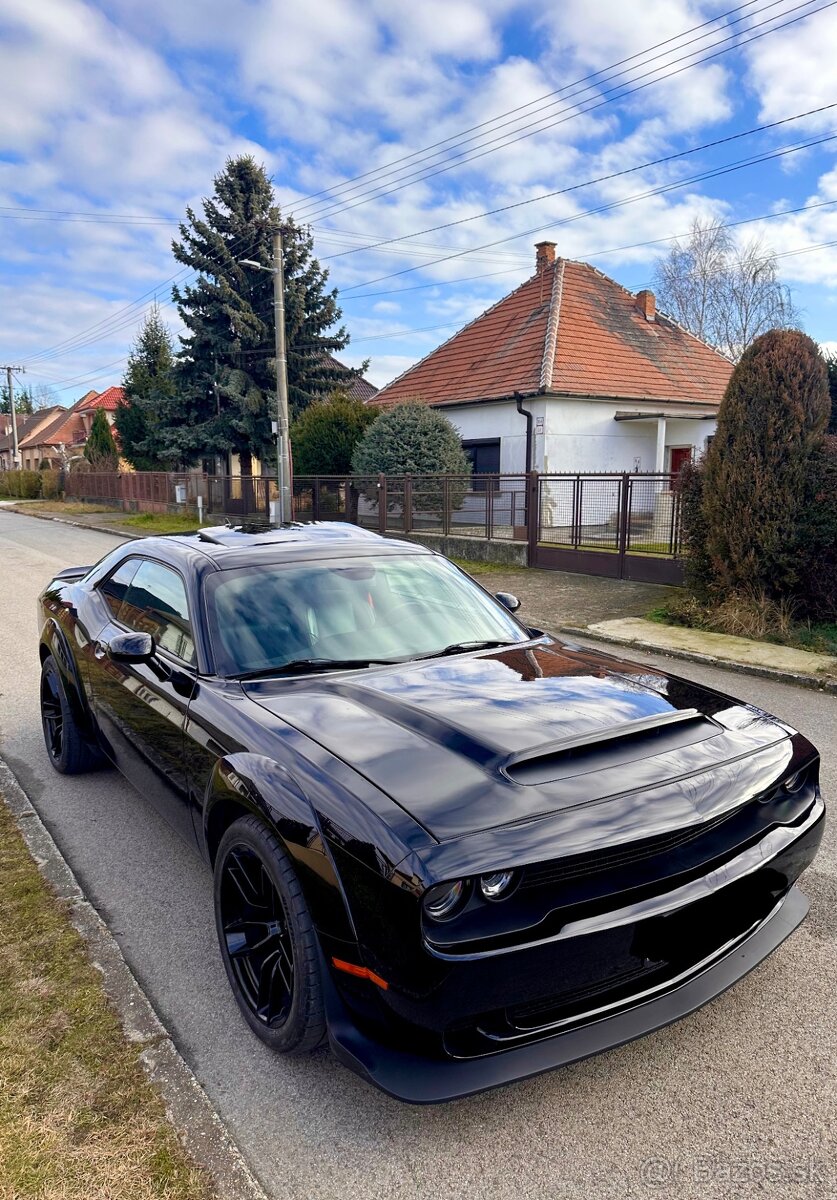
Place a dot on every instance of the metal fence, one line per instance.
(621, 525)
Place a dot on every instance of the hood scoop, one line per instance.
(600, 749)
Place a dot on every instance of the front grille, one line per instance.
(574, 866)
(539, 1013)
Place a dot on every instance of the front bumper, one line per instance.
(426, 1079)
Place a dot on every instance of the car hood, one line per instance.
(476, 741)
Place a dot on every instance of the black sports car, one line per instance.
(458, 849)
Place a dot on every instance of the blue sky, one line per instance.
(126, 111)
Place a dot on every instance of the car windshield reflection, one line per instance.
(353, 611)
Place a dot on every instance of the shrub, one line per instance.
(100, 448)
(697, 565)
(756, 471)
(817, 541)
(50, 484)
(412, 439)
(20, 485)
(325, 435)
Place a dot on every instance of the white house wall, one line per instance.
(582, 435)
(575, 435)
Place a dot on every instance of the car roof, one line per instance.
(249, 544)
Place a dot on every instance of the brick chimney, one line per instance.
(544, 255)
(646, 304)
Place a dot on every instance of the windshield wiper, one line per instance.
(463, 647)
(304, 666)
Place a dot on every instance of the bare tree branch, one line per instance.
(723, 292)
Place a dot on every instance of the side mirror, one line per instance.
(131, 647)
(508, 601)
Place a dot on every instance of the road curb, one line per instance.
(189, 1109)
(710, 660)
(21, 512)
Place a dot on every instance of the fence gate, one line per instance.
(620, 526)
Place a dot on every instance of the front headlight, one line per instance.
(496, 885)
(442, 901)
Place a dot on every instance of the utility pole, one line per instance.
(283, 457)
(281, 424)
(20, 371)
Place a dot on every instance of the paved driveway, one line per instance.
(737, 1100)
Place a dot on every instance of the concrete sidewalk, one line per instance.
(696, 645)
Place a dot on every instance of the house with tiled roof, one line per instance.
(571, 372)
(359, 388)
(63, 438)
(27, 423)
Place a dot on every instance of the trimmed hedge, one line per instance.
(20, 485)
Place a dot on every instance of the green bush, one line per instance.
(412, 439)
(817, 542)
(697, 565)
(20, 485)
(771, 421)
(325, 435)
(50, 484)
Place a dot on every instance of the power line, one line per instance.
(568, 91)
(662, 190)
(609, 96)
(655, 162)
(672, 237)
(376, 171)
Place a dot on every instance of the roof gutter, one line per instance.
(524, 412)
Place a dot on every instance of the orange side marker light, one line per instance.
(360, 972)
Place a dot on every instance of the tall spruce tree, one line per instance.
(226, 378)
(150, 402)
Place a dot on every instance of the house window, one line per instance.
(484, 454)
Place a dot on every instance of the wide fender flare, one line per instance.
(55, 639)
(267, 789)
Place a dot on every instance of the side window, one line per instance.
(156, 604)
(115, 588)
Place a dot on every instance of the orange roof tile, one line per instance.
(568, 330)
(109, 400)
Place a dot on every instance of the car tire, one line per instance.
(266, 935)
(68, 750)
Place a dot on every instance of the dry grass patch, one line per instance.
(78, 1118)
(72, 508)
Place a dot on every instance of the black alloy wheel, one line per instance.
(267, 939)
(69, 751)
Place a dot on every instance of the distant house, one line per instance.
(26, 424)
(360, 388)
(572, 373)
(62, 438)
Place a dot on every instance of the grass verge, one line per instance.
(72, 508)
(161, 523)
(78, 1119)
(758, 620)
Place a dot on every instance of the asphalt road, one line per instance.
(737, 1100)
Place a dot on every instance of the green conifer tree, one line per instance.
(226, 380)
(149, 403)
(100, 448)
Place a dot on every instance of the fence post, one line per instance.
(624, 521)
(446, 505)
(532, 517)
(408, 503)
(382, 503)
(315, 500)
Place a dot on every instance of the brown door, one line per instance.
(680, 455)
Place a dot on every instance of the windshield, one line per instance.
(361, 609)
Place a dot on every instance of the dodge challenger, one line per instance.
(456, 849)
